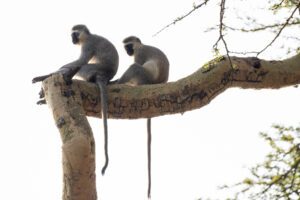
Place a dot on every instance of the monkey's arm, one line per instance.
(40, 78)
(70, 69)
(135, 75)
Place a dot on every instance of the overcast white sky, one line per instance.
(192, 154)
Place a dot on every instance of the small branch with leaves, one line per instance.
(278, 177)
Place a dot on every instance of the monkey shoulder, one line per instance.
(152, 51)
(103, 48)
(100, 42)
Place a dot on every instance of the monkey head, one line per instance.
(79, 33)
(131, 43)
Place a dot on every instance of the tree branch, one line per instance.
(264, 27)
(280, 30)
(192, 92)
(221, 28)
(195, 7)
(78, 145)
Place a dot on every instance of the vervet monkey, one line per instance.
(151, 66)
(97, 63)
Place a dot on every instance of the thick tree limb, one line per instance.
(71, 103)
(192, 92)
(78, 149)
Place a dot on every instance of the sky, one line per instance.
(192, 153)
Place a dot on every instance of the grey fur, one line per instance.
(151, 66)
(97, 63)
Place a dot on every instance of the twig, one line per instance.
(276, 6)
(195, 7)
(244, 53)
(221, 36)
(264, 27)
(281, 29)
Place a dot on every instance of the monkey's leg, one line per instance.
(149, 138)
(135, 75)
(67, 71)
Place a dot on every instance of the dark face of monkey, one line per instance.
(129, 49)
(75, 37)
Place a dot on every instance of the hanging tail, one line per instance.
(149, 138)
(103, 95)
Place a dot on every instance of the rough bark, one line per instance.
(71, 103)
(191, 92)
(78, 149)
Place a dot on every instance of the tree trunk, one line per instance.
(78, 149)
(70, 105)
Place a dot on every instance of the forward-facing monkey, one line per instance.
(98, 63)
(151, 66)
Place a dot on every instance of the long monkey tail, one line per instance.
(103, 95)
(149, 138)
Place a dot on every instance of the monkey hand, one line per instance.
(68, 72)
(41, 102)
(42, 94)
(66, 77)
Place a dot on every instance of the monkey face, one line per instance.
(75, 37)
(129, 49)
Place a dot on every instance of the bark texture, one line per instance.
(71, 103)
(78, 147)
(192, 92)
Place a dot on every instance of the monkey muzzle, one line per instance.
(75, 37)
(129, 49)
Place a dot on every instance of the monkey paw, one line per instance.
(41, 102)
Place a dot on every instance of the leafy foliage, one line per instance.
(283, 4)
(278, 177)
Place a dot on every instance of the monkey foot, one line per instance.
(40, 78)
